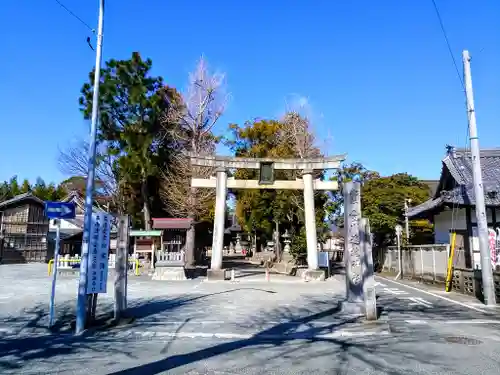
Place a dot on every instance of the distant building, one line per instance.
(23, 230)
(452, 206)
(72, 229)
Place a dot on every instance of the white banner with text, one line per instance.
(97, 273)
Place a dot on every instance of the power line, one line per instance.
(448, 43)
(75, 16)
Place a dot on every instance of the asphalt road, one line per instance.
(256, 328)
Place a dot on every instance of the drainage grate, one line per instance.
(463, 340)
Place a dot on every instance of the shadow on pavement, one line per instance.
(294, 331)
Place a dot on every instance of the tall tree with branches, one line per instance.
(132, 107)
(203, 104)
(73, 161)
(297, 133)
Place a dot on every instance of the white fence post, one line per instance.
(433, 265)
(422, 265)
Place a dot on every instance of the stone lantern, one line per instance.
(287, 241)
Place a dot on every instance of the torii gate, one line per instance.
(266, 181)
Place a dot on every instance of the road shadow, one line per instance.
(294, 334)
(290, 332)
(29, 337)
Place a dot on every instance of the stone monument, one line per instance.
(360, 285)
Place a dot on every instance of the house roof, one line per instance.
(78, 221)
(145, 233)
(233, 228)
(171, 223)
(433, 185)
(456, 185)
(19, 198)
(76, 197)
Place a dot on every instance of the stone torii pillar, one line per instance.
(266, 166)
(220, 219)
(310, 218)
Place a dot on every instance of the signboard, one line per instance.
(497, 247)
(494, 245)
(492, 240)
(97, 273)
(60, 210)
(323, 259)
(266, 176)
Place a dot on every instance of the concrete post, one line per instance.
(219, 221)
(352, 252)
(121, 266)
(310, 217)
(367, 269)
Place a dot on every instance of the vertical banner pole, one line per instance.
(54, 273)
(449, 271)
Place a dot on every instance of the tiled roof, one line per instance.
(171, 223)
(433, 185)
(19, 198)
(76, 197)
(77, 221)
(459, 164)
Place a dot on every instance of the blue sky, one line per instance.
(377, 74)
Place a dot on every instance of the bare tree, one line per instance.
(297, 133)
(204, 102)
(73, 161)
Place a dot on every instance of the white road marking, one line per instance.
(434, 295)
(415, 321)
(395, 291)
(247, 336)
(418, 301)
(380, 284)
(452, 322)
(472, 321)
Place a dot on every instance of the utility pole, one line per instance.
(482, 223)
(398, 230)
(81, 307)
(407, 223)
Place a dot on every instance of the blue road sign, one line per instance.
(60, 210)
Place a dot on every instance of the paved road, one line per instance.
(415, 309)
(250, 327)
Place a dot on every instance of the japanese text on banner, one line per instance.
(98, 253)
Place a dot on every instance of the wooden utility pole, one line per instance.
(482, 223)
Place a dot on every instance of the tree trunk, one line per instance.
(191, 233)
(145, 209)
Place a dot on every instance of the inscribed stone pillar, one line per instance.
(219, 221)
(352, 251)
(310, 217)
